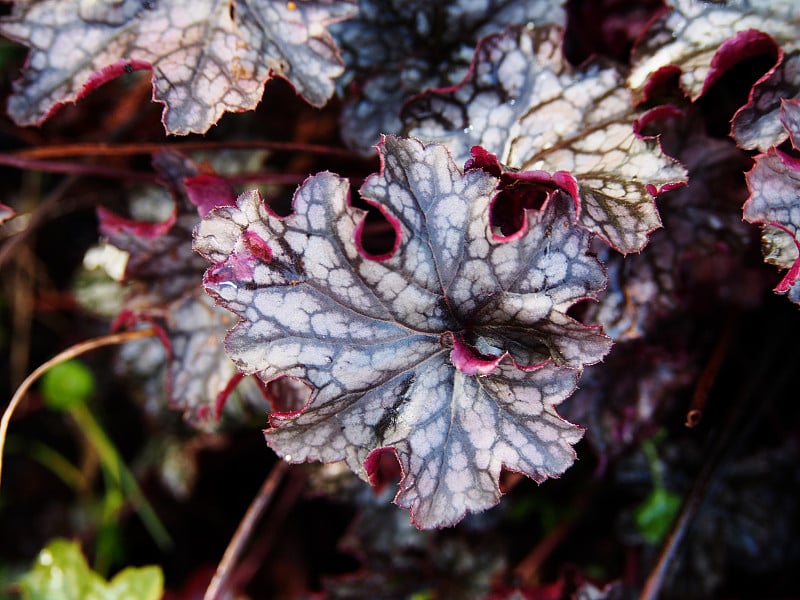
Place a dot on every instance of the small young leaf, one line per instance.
(452, 350)
(525, 104)
(207, 57)
(655, 515)
(61, 573)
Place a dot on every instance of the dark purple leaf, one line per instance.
(623, 400)
(606, 27)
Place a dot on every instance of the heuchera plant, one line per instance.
(774, 183)
(451, 350)
(207, 57)
(577, 128)
(163, 274)
(519, 192)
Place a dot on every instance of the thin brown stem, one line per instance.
(738, 426)
(73, 168)
(69, 353)
(709, 375)
(50, 203)
(100, 149)
(244, 531)
(528, 569)
(273, 178)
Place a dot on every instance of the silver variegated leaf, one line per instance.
(524, 103)
(757, 124)
(208, 57)
(774, 202)
(695, 34)
(451, 351)
(394, 49)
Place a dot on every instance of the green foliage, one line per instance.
(60, 572)
(655, 515)
(67, 385)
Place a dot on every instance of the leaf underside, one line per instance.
(451, 351)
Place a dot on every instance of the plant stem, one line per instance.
(115, 467)
(99, 149)
(245, 530)
(73, 168)
(709, 375)
(52, 460)
(71, 352)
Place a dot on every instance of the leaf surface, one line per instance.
(774, 202)
(165, 290)
(397, 48)
(524, 103)
(207, 56)
(757, 125)
(703, 38)
(451, 351)
(6, 213)
(60, 572)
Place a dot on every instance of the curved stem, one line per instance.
(71, 352)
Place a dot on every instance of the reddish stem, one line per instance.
(100, 149)
(709, 375)
(244, 532)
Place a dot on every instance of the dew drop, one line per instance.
(468, 130)
(288, 458)
(512, 102)
(228, 284)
